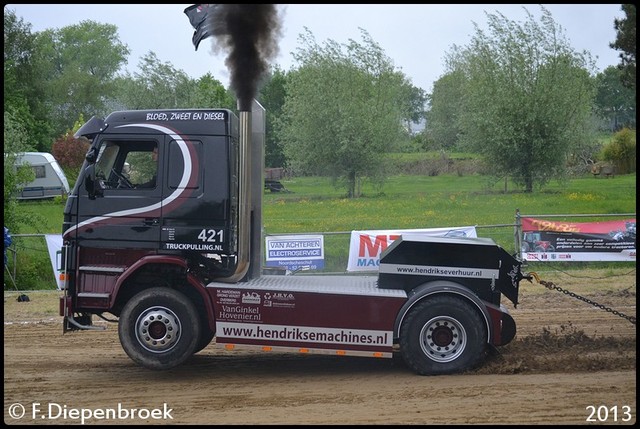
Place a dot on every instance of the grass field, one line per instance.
(313, 205)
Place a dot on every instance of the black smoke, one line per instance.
(249, 33)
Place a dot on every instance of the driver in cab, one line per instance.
(152, 182)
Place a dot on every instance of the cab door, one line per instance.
(126, 214)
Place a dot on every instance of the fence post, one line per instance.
(517, 231)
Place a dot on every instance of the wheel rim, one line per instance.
(443, 339)
(158, 329)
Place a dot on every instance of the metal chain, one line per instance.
(551, 285)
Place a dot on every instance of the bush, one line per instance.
(32, 265)
(70, 153)
(16, 140)
(621, 151)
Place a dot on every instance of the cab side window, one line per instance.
(146, 171)
(128, 165)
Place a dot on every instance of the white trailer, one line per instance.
(49, 181)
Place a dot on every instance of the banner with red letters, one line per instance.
(550, 241)
(365, 246)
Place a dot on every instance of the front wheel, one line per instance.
(206, 336)
(443, 335)
(159, 328)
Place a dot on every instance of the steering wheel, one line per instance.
(123, 182)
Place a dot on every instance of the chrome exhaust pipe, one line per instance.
(244, 201)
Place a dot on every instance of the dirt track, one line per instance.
(568, 358)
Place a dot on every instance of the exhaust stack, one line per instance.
(244, 201)
(249, 33)
(258, 133)
(250, 183)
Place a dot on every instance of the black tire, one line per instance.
(443, 335)
(206, 335)
(159, 328)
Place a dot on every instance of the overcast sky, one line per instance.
(415, 37)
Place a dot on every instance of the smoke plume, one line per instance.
(249, 33)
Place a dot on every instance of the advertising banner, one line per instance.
(295, 252)
(54, 245)
(546, 240)
(365, 246)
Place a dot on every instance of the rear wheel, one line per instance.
(159, 328)
(443, 335)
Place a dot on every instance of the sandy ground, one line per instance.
(571, 363)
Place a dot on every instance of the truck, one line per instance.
(532, 242)
(178, 265)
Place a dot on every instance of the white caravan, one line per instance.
(49, 181)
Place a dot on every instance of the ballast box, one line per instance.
(477, 263)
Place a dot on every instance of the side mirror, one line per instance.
(93, 186)
(92, 155)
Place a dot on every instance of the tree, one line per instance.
(157, 85)
(77, 65)
(160, 85)
(527, 99)
(343, 110)
(272, 97)
(209, 92)
(16, 140)
(24, 92)
(621, 151)
(18, 48)
(626, 43)
(443, 118)
(614, 101)
(415, 100)
(70, 152)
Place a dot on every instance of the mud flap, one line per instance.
(508, 329)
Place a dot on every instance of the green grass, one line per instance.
(420, 156)
(409, 202)
(41, 217)
(313, 205)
